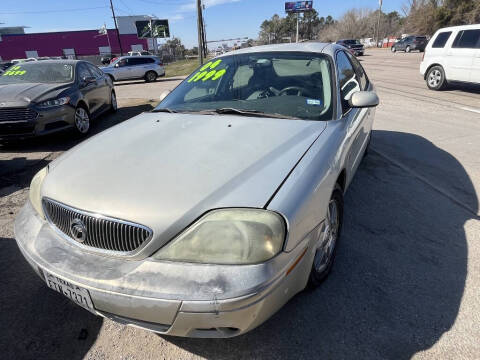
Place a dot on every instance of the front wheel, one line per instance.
(393, 49)
(327, 242)
(82, 120)
(436, 78)
(113, 102)
(150, 76)
(407, 49)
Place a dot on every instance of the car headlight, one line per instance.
(54, 102)
(35, 186)
(228, 236)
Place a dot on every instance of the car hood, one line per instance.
(24, 93)
(165, 170)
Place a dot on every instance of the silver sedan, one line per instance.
(205, 216)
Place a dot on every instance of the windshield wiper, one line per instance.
(167, 110)
(253, 113)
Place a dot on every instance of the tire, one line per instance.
(394, 49)
(407, 49)
(435, 78)
(113, 102)
(323, 259)
(82, 120)
(150, 76)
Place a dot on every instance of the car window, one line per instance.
(83, 71)
(292, 84)
(347, 79)
(359, 71)
(420, 38)
(122, 63)
(441, 39)
(134, 61)
(95, 71)
(467, 39)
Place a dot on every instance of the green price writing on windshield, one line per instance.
(208, 72)
(16, 70)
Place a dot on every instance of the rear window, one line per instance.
(467, 39)
(420, 38)
(441, 39)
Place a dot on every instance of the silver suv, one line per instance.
(135, 67)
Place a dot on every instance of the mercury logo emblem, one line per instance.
(78, 230)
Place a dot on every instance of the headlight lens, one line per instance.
(54, 102)
(35, 186)
(228, 236)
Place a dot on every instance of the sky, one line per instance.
(224, 19)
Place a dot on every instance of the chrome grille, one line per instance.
(101, 232)
(17, 114)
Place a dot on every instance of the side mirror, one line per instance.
(116, 65)
(164, 94)
(364, 99)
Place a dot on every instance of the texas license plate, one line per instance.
(78, 295)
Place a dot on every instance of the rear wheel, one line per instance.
(150, 76)
(82, 120)
(436, 78)
(327, 243)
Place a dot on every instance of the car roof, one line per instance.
(136, 56)
(56, 61)
(311, 46)
(460, 27)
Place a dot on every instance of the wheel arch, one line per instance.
(342, 180)
(429, 67)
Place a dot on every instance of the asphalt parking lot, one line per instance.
(406, 282)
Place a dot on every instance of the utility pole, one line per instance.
(298, 16)
(116, 28)
(378, 21)
(200, 31)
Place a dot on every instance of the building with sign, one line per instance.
(74, 44)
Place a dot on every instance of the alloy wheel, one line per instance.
(434, 78)
(326, 244)
(82, 120)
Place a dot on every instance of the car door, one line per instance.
(87, 86)
(357, 130)
(460, 57)
(102, 91)
(475, 72)
(135, 65)
(399, 45)
(122, 70)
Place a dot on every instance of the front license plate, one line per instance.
(78, 295)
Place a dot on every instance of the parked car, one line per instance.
(205, 216)
(42, 97)
(410, 43)
(452, 55)
(139, 53)
(135, 67)
(355, 46)
(107, 59)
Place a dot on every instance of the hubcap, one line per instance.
(114, 101)
(434, 78)
(326, 243)
(151, 76)
(82, 121)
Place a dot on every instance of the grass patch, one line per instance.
(181, 67)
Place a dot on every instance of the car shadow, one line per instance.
(399, 274)
(465, 87)
(38, 323)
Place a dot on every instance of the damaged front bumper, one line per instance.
(181, 299)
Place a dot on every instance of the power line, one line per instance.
(51, 11)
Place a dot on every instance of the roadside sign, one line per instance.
(298, 6)
(159, 29)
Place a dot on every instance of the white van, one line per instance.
(453, 54)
